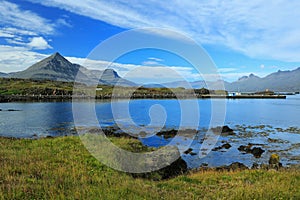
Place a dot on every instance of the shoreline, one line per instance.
(45, 98)
(251, 153)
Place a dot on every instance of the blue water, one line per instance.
(56, 118)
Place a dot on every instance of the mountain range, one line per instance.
(280, 81)
(3, 75)
(58, 68)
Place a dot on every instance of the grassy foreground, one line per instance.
(61, 168)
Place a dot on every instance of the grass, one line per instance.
(14, 86)
(61, 168)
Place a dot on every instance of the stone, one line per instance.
(257, 152)
(274, 159)
(224, 146)
(188, 151)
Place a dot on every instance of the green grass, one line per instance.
(61, 168)
(14, 86)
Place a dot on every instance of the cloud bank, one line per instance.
(258, 29)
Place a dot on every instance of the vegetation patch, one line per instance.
(61, 168)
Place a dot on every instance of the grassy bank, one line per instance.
(61, 168)
(27, 87)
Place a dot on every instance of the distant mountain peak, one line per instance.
(251, 76)
(57, 56)
(243, 78)
(58, 68)
(111, 72)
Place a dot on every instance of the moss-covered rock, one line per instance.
(274, 159)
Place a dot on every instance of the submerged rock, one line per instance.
(188, 151)
(224, 130)
(168, 133)
(256, 151)
(271, 140)
(224, 146)
(12, 110)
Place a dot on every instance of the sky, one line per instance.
(241, 37)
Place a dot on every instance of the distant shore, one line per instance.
(14, 98)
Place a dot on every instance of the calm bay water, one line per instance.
(55, 118)
(40, 119)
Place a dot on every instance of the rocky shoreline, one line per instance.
(272, 160)
(231, 139)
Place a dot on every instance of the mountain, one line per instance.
(280, 81)
(54, 67)
(3, 75)
(212, 85)
(58, 68)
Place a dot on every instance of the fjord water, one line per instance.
(265, 122)
(55, 118)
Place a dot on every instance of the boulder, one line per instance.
(274, 159)
(256, 151)
(177, 168)
(224, 130)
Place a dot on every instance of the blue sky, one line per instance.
(241, 37)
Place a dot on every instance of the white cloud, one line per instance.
(152, 61)
(6, 34)
(156, 59)
(39, 43)
(14, 59)
(63, 22)
(25, 28)
(14, 31)
(226, 70)
(23, 20)
(257, 28)
(141, 73)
